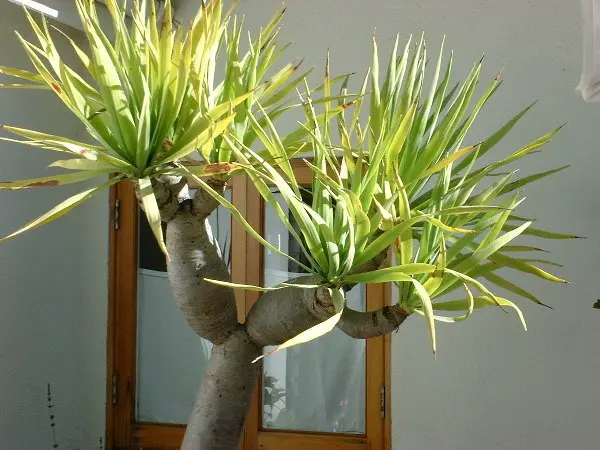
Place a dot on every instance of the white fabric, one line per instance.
(589, 85)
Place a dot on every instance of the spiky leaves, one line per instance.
(391, 169)
(149, 98)
(403, 181)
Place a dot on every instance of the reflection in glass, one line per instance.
(318, 386)
(171, 357)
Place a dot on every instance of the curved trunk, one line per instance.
(225, 395)
(208, 308)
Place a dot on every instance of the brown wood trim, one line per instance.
(375, 428)
(122, 317)
(247, 263)
(122, 430)
(254, 275)
(387, 365)
(111, 319)
(274, 440)
(378, 295)
(296, 163)
(157, 436)
(239, 242)
(239, 259)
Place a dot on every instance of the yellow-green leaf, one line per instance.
(318, 330)
(396, 273)
(55, 180)
(62, 208)
(152, 212)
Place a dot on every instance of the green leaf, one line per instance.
(521, 266)
(250, 287)
(308, 335)
(152, 212)
(384, 240)
(529, 179)
(205, 170)
(395, 273)
(445, 162)
(509, 286)
(543, 233)
(490, 249)
(397, 142)
(58, 143)
(84, 164)
(316, 331)
(427, 310)
(62, 208)
(522, 248)
(187, 145)
(495, 138)
(23, 74)
(55, 180)
(479, 302)
(241, 219)
(473, 282)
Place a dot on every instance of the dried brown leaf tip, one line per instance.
(221, 167)
(499, 74)
(96, 113)
(296, 65)
(43, 184)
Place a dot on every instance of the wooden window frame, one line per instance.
(123, 432)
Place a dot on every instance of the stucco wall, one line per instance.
(53, 287)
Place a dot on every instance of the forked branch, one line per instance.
(194, 255)
(365, 325)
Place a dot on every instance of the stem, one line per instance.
(365, 325)
(52, 421)
(225, 395)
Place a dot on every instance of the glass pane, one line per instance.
(318, 386)
(171, 357)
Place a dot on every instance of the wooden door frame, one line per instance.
(122, 317)
(122, 432)
(378, 357)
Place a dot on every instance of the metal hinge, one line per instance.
(115, 387)
(117, 214)
(382, 393)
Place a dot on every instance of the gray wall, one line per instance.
(493, 386)
(52, 281)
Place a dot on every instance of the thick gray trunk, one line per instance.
(280, 315)
(209, 309)
(225, 395)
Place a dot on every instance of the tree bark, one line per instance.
(365, 325)
(194, 253)
(225, 395)
(280, 315)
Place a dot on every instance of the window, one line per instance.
(156, 361)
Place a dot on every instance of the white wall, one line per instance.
(493, 386)
(52, 282)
